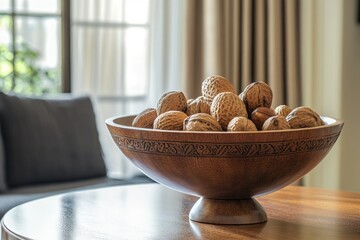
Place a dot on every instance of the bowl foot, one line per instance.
(239, 211)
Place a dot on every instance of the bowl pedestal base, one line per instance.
(238, 211)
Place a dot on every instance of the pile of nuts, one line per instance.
(221, 109)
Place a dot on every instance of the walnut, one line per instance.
(241, 124)
(260, 115)
(303, 117)
(199, 105)
(201, 122)
(213, 85)
(283, 110)
(256, 94)
(225, 107)
(277, 122)
(170, 120)
(171, 101)
(145, 119)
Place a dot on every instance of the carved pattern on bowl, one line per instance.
(225, 149)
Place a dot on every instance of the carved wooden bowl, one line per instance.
(226, 169)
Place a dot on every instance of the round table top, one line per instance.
(151, 211)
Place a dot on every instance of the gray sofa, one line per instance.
(49, 146)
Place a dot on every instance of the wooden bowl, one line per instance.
(226, 169)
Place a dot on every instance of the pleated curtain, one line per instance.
(245, 41)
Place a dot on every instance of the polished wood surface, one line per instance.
(151, 211)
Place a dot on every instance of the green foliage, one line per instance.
(22, 74)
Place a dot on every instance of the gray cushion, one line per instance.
(49, 140)
(2, 166)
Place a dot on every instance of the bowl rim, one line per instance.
(329, 120)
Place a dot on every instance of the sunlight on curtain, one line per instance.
(111, 62)
(166, 51)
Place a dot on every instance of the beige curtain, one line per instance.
(245, 41)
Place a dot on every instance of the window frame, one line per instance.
(66, 46)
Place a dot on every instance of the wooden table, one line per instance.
(151, 211)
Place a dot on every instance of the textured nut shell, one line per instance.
(145, 119)
(256, 94)
(241, 124)
(277, 122)
(201, 122)
(282, 110)
(213, 85)
(171, 120)
(208, 100)
(260, 115)
(303, 117)
(199, 105)
(172, 101)
(225, 107)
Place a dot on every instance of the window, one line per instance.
(30, 47)
(110, 61)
